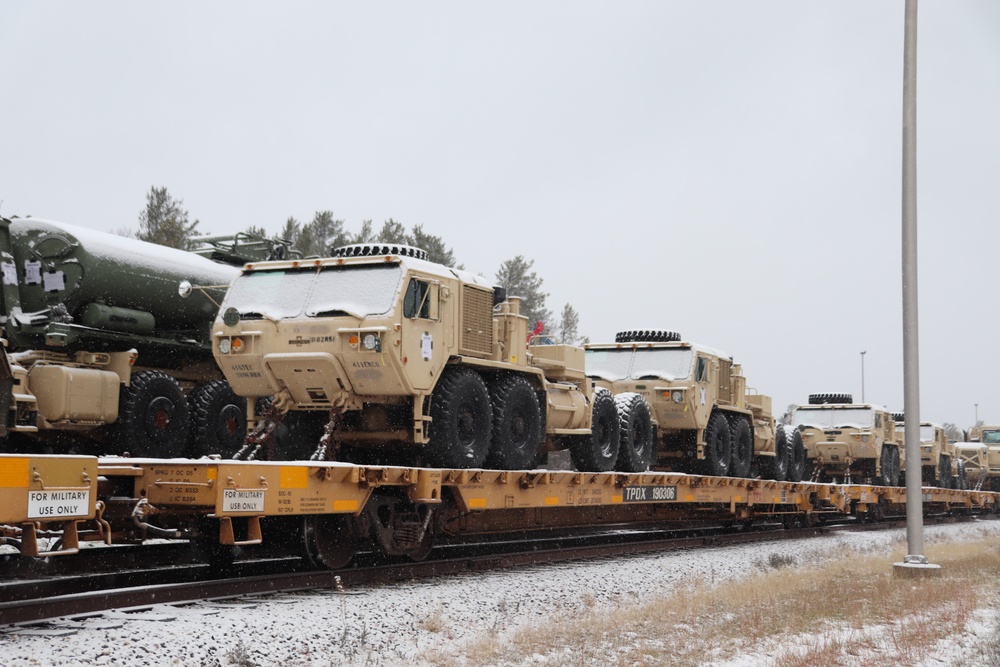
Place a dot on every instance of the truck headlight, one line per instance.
(224, 346)
(864, 438)
(677, 395)
(370, 341)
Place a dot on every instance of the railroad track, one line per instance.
(29, 601)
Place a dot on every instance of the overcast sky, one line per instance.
(729, 170)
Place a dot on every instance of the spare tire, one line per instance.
(898, 417)
(647, 337)
(825, 399)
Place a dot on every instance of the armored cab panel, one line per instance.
(559, 362)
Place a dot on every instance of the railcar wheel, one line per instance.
(718, 446)
(742, 447)
(152, 417)
(330, 540)
(637, 440)
(944, 472)
(798, 461)
(517, 424)
(598, 451)
(218, 420)
(776, 467)
(461, 421)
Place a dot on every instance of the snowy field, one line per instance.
(408, 624)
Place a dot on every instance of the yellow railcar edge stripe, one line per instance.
(294, 477)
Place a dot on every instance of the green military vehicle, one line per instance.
(853, 443)
(101, 345)
(376, 354)
(704, 418)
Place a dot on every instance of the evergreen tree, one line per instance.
(164, 221)
(437, 251)
(516, 276)
(568, 327)
(394, 232)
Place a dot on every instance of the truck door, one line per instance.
(421, 333)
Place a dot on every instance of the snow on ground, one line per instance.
(399, 624)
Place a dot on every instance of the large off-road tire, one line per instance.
(718, 446)
(461, 421)
(944, 472)
(887, 474)
(218, 420)
(152, 417)
(776, 467)
(896, 468)
(825, 399)
(798, 463)
(598, 451)
(961, 477)
(742, 447)
(647, 337)
(517, 424)
(637, 439)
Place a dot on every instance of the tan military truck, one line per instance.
(704, 418)
(385, 354)
(849, 442)
(937, 455)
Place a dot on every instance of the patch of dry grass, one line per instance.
(851, 612)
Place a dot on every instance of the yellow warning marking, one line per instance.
(616, 499)
(689, 497)
(14, 473)
(477, 503)
(345, 505)
(213, 472)
(551, 500)
(738, 499)
(294, 477)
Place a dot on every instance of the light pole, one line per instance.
(863, 375)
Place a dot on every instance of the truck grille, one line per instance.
(725, 381)
(477, 321)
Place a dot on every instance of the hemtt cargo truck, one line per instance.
(101, 344)
(852, 442)
(383, 355)
(705, 420)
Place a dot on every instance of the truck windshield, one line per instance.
(825, 418)
(927, 433)
(625, 364)
(990, 438)
(355, 290)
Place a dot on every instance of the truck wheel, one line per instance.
(637, 441)
(517, 424)
(152, 416)
(961, 476)
(776, 468)
(742, 447)
(598, 451)
(718, 446)
(895, 467)
(887, 474)
(944, 472)
(218, 420)
(797, 461)
(461, 419)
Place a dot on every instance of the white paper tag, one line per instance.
(426, 346)
(54, 281)
(9, 273)
(242, 501)
(32, 272)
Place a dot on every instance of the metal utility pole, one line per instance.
(915, 560)
(863, 352)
